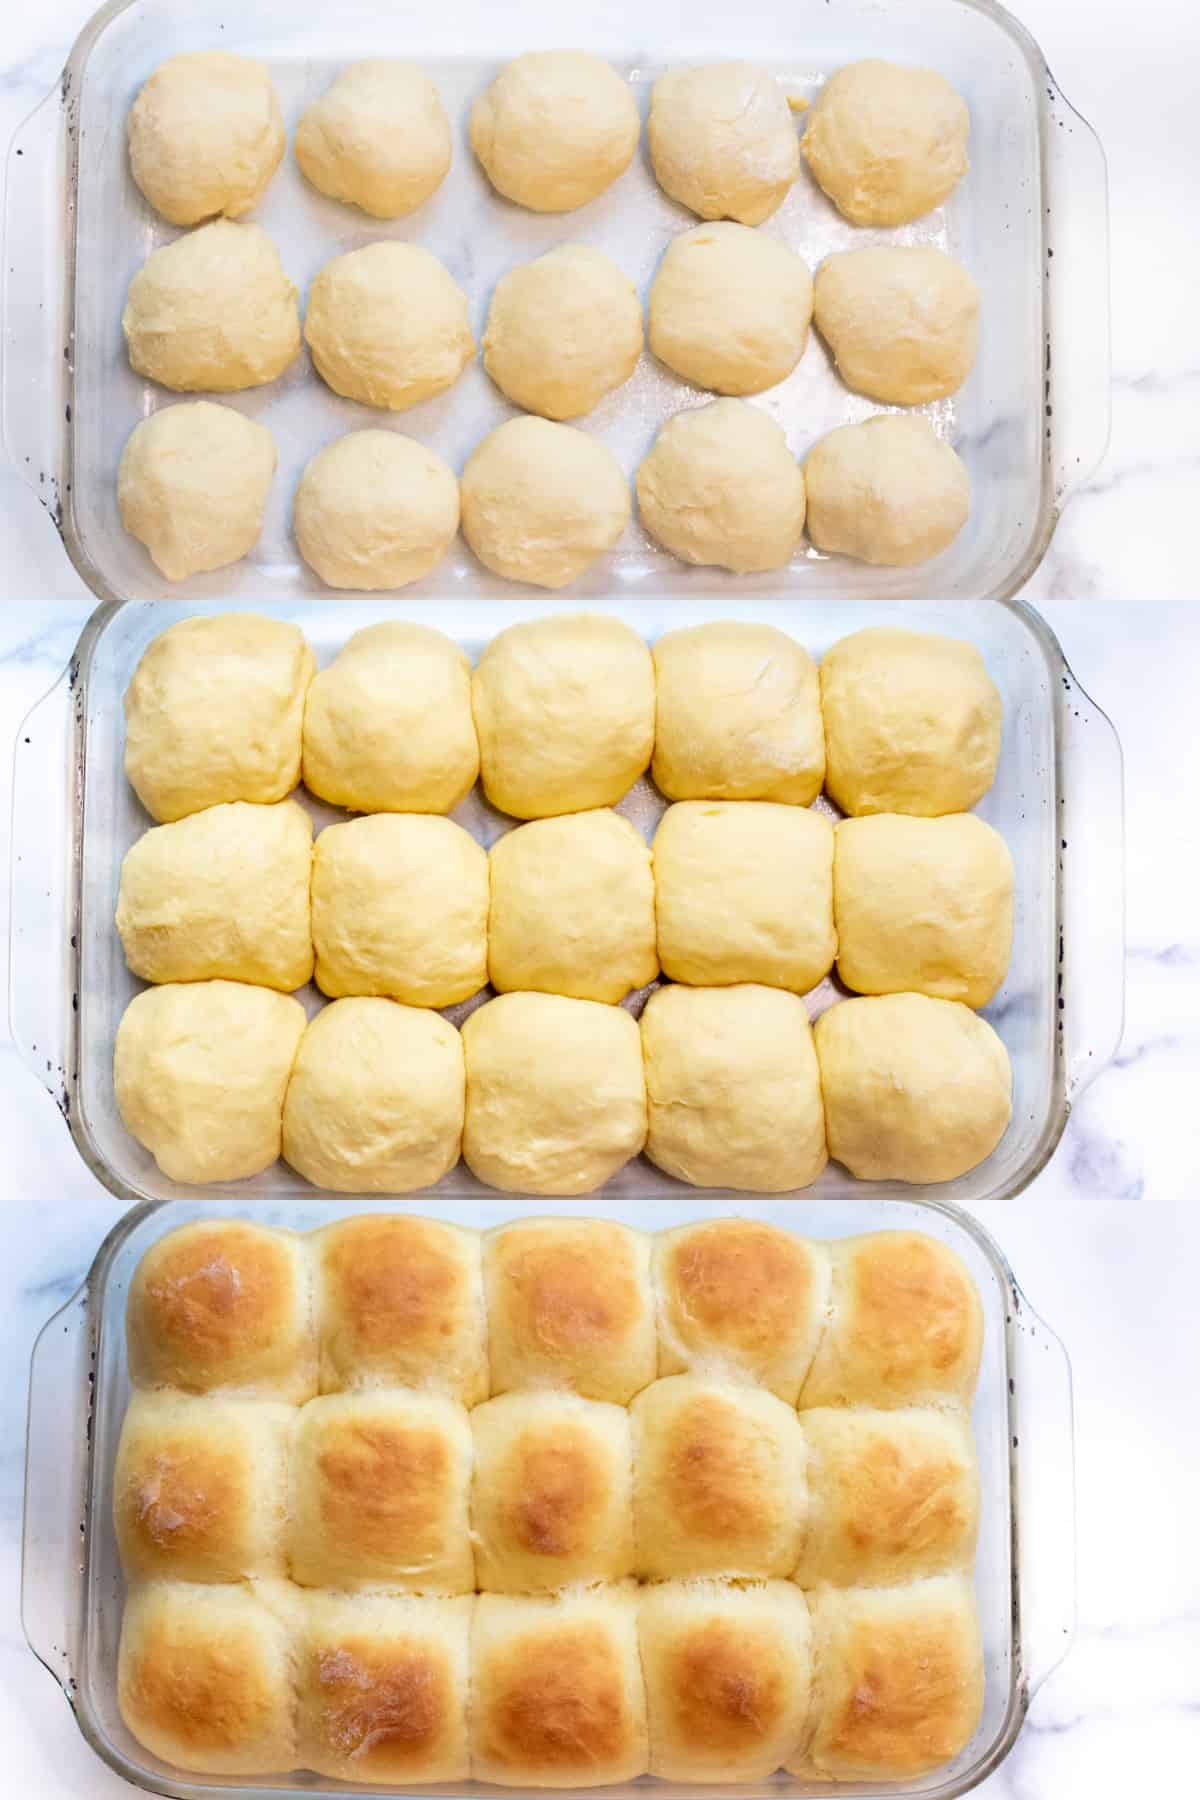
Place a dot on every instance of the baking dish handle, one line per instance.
(1042, 1414)
(1076, 277)
(37, 348)
(44, 799)
(56, 1489)
(1091, 859)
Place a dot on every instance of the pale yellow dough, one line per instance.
(542, 502)
(200, 1069)
(888, 491)
(572, 908)
(388, 726)
(562, 331)
(730, 308)
(733, 1089)
(887, 143)
(554, 129)
(192, 486)
(720, 486)
(205, 136)
(388, 325)
(902, 321)
(374, 510)
(221, 895)
(722, 141)
(378, 138)
(375, 1102)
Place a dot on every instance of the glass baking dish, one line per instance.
(1029, 219)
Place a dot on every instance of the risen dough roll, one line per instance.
(192, 486)
(901, 320)
(377, 138)
(886, 143)
(541, 502)
(562, 331)
(730, 309)
(889, 491)
(205, 136)
(554, 129)
(387, 325)
(375, 509)
(721, 486)
(722, 141)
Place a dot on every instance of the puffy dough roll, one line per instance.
(570, 1305)
(214, 711)
(379, 1491)
(740, 1297)
(401, 1305)
(728, 1672)
(888, 491)
(222, 1304)
(554, 129)
(730, 309)
(377, 138)
(556, 1096)
(902, 321)
(551, 1502)
(221, 895)
(923, 906)
(905, 1325)
(892, 1496)
(376, 1096)
(387, 325)
(205, 136)
(192, 486)
(563, 331)
(556, 1689)
(722, 141)
(887, 143)
(915, 1089)
(541, 502)
(375, 509)
(200, 1070)
(719, 1483)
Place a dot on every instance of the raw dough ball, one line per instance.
(213, 311)
(205, 136)
(562, 332)
(733, 1088)
(378, 138)
(542, 502)
(572, 908)
(888, 491)
(554, 129)
(721, 486)
(886, 143)
(902, 321)
(730, 309)
(744, 892)
(912, 723)
(192, 486)
(722, 141)
(375, 1103)
(388, 727)
(556, 1099)
(221, 895)
(200, 1069)
(214, 713)
(564, 708)
(375, 510)
(915, 1089)
(738, 715)
(388, 326)
(399, 907)
(923, 906)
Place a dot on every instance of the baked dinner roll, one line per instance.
(382, 1687)
(923, 906)
(551, 1497)
(569, 1305)
(718, 1482)
(905, 1325)
(213, 713)
(200, 1488)
(899, 1680)
(223, 1304)
(740, 1297)
(556, 1689)
(401, 1305)
(727, 1673)
(891, 1496)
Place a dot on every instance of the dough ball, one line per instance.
(375, 510)
(388, 727)
(399, 908)
(888, 491)
(737, 715)
(730, 309)
(721, 486)
(221, 895)
(554, 129)
(556, 1098)
(912, 723)
(886, 143)
(541, 502)
(902, 321)
(377, 138)
(205, 136)
(562, 331)
(214, 712)
(200, 1069)
(212, 311)
(375, 1103)
(733, 1090)
(192, 486)
(915, 1089)
(722, 141)
(572, 908)
(387, 325)
(564, 708)
(744, 892)
(923, 906)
